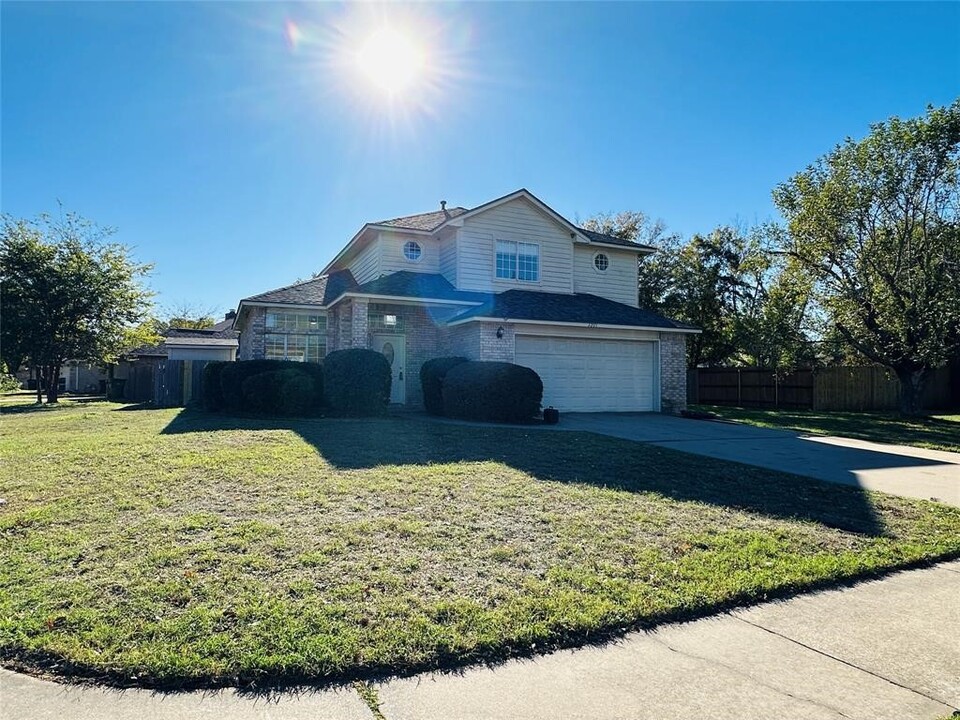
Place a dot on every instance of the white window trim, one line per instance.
(286, 344)
(499, 279)
(403, 251)
(594, 263)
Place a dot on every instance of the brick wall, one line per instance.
(251, 339)
(673, 371)
(333, 329)
(462, 340)
(359, 323)
(345, 325)
(494, 348)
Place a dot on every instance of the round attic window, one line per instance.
(412, 251)
(601, 262)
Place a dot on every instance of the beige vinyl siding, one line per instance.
(516, 220)
(365, 266)
(448, 258)
(392, 259)
(618, 283)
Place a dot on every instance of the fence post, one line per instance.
(739, 391)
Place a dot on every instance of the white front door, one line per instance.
(591, 375)
(393, 349)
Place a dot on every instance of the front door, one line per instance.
(393, 349)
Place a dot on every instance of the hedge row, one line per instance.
(349, 382)
(488, 391)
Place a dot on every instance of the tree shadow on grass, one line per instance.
(565, 457)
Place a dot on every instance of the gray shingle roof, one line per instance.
(579, 308)
(418, 285)
(224, 324)
(613, 240)
(316, 291)
(208, 333)
(423, 221)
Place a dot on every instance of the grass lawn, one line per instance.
(172, 548)
(937, 432)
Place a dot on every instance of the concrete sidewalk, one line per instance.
(883, 649)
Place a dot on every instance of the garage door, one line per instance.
(583, 375)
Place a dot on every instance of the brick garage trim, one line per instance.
(673, 372)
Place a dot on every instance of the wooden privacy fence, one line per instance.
(178, 382)
(832, 388)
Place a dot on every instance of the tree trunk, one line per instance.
(912, 382)
(53, 383)
(38, 375)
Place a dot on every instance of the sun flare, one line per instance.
(391, 61)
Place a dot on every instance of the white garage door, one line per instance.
(582, 375)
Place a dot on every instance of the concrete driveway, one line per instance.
(897, 469)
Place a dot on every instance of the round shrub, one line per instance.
(432, 373)
(492, 391)
(212, 393)
(285, 392)
(356, 382)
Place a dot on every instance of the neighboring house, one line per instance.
(75, 377)
(509, 280)
(215, 343)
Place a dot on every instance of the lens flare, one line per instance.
(293, 34)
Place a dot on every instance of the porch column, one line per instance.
(359, 324)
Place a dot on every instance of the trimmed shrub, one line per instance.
(432, 373)
(356, 382)
(492, 391)
(286, 392)
(212, 393)
(233, 375)
(298, 395)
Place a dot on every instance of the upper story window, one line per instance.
(412, 251)
(601, 262)
(518, 260)
(295, 336)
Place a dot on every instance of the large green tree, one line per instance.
(67, 293)
(748, 302)
(875, 224)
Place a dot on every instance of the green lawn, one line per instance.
(172, 548)
(937, 432)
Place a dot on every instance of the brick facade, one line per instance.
(673, 372)
(359, 309)
(494, 348)
(348, 325)
(462, 340)
(251, 339)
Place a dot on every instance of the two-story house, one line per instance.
(508, 280)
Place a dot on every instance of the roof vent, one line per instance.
(443, 205)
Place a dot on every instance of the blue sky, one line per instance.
(237, 148)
